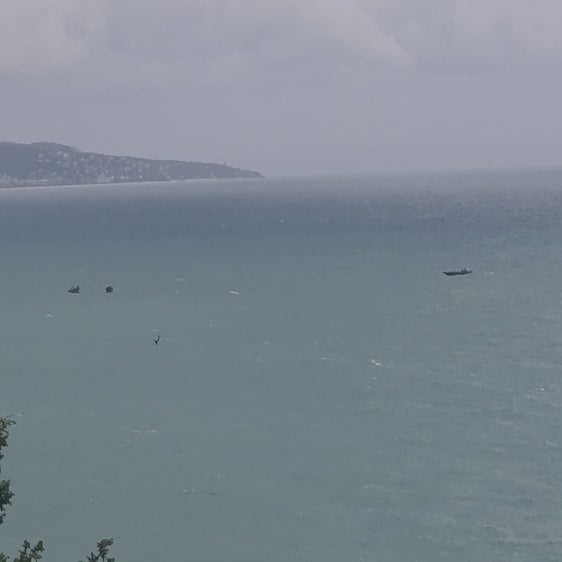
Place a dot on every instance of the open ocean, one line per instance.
(321, 391)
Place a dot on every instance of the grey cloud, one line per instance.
(48, 37)
(55, 36)
(480, 34)
(288, 85)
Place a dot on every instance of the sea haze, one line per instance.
(321, 391)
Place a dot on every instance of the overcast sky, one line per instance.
(289, 86)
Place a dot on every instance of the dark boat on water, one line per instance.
(463, 271)
(74, 289)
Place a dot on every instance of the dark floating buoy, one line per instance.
(109, 289)
(74, 289)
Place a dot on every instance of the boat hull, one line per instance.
(453, 273)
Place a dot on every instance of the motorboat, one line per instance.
(463, 271)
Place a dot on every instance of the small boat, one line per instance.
(109, 289)
(74, 289)
(462, 271)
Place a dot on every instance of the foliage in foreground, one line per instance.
(27, 552)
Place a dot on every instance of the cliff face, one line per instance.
(43, 163)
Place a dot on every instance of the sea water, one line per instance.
(321, 392)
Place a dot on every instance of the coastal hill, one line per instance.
(45, 163)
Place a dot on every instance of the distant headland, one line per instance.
(46, 163)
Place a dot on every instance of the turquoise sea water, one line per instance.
(321, 392)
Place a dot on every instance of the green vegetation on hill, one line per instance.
(43, 163)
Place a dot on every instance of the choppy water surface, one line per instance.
(321, 391)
